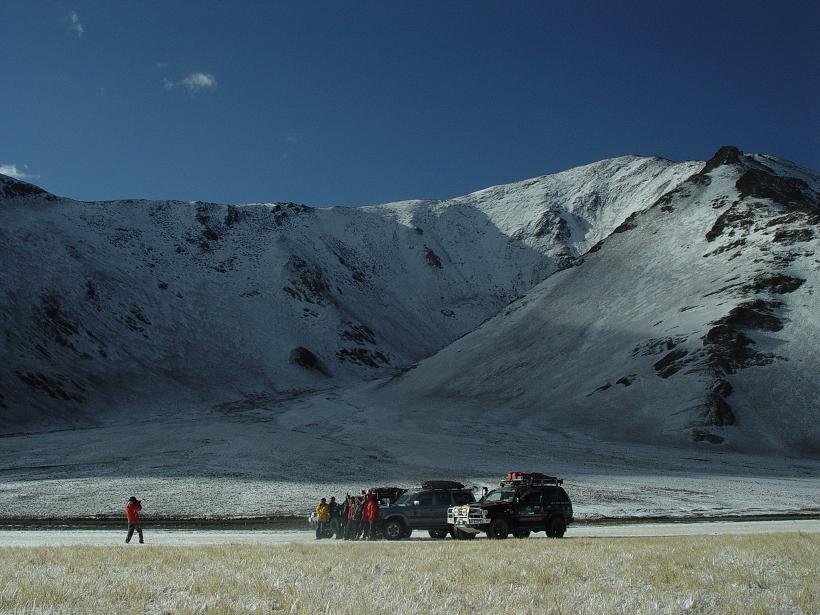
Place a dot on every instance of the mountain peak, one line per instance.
(728, 154)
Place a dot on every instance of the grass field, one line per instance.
(765, 573)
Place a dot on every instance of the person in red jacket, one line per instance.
(132, 513)
(370, 515)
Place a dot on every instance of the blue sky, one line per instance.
(336, 103)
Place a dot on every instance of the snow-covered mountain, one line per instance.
(117, 306)
(696, 318)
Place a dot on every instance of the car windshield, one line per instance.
(496, 495)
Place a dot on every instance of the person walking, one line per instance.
(132, 513)
(322, 518)
(370, 515)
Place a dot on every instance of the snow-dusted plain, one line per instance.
(647, 330)
(279, 459)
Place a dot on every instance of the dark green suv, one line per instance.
(423, 509)
(517, 507)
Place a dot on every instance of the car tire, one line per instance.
(407, 533)
(462, 535)
(499, 529)
(521, 533)
(394, 529)
(438, 534)
(556, 527)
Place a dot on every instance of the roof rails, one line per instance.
(529, 481)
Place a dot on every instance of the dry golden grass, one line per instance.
(720, 574)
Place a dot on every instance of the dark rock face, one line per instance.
(792, 236)
(786, 190)
(626, 380)
(774, 283)
(12, 188)
(363, 356)
(728, 154)
(627, 225)
(358, 333)
(307, 282)
(671, 363)
(737, 217)
(53, 387)
(432, 258)
(303, 357)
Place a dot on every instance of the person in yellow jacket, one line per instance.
(322, 518)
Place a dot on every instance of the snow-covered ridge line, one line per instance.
(695, 318)
(112, 305)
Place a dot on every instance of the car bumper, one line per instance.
(470, 525)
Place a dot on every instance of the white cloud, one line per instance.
(195, 82)
(75, 25)
(12, 171)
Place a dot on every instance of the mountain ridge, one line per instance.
(754, 234)
(108, 304)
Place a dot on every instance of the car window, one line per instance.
(425, 498)
(531, 498)
(496, 495)
(463, 497)
(406, 498)
(555, 494)
(442, 498)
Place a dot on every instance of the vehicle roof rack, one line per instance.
(528, 481)
(434, 485)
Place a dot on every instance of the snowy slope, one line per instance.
(696, 319)
(130, 305)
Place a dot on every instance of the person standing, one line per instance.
(132, 513)
(322, 518)
(350, 528)
(370, 515)
(343, 510)
(334, 516)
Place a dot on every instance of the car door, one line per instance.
(530, 508)
(421, 510)
(438, 513)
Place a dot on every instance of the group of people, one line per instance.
(355, 518)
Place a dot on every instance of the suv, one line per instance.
(424, 508)
(524, 504)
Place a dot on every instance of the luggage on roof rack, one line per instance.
(440, 484)
(517, 478)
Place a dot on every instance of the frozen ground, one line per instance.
(279, 459)
(182, 538)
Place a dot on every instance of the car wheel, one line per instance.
(521, 533)
(499, 529)
(462, 535)
(394, 529)
(438, 534)
(407, 533)
(556, 527)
